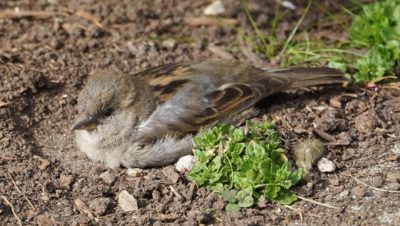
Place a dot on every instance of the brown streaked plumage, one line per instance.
(148, 119)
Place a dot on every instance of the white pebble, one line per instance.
(107, 177)
(326, 166)
(214, 9)
(134, 172)
(288, 5)
(185, 163)
(126, 201)
(396, 149)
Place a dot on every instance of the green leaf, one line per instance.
(286, 198)
(247, 201)
(378, 62)
(296, 176)
(229, 196)
(238, 135)
(218, 187)
(271, 191)
(341, 66)
(245, 197)
(231, 207)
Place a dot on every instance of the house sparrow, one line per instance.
(148, 119)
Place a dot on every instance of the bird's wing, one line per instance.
(197, 101)
(226, 100)
(166, 80)
(192, 96)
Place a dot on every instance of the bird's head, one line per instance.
(112, 104)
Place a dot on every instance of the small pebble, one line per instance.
(364, 123)
(396, 149)
(156, 195)
(107, 177)
(43, 220)
(214, 9)
(169, 43)
(185, 163)
(348, 154)
(56, 44)
(53, 2)
(377, 181)
(326, 166)
(393, 177)
(126, 201)
(65, 181)
(344, 194)
(344, 138)
(335, 102)
(288, 5)
(393, 186)
(358, 191)
(100, 205)
(170, 173)
(44, 163)
(262, 202)
(44, 197)
(134, 172)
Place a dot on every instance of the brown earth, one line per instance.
(45, 59)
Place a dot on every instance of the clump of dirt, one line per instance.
(45, 59)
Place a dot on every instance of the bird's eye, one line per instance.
(108, 112)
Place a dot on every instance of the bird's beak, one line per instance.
(84, 122)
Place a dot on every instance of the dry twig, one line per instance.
(220, 52)
(317, 203)
(324, 135)
(175, 192)
(84, 208)
(204, 21)
(372, 187)
(8, 14)
(114, 214)
(295, 210)
(12, 209)
(22, 193)
(3, 104)
(88, 16)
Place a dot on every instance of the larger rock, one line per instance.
(108, 177)
(326, 166)
(185, 164)
(126, 201)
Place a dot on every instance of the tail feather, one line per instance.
(304, 77)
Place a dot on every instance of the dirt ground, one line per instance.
(45, 59)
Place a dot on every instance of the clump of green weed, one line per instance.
(371, 53)
(243, 166)
(377, 29)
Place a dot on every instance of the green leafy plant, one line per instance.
(242, 166)
(379, 23)
(373, 50)
(266, 45)
(378, 29)
(378, 64)
(371, 53)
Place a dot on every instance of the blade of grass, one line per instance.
(296, 27)
(253, 23)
